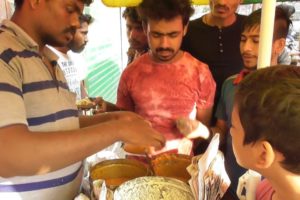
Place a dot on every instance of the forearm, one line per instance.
(221, 129)
(26, 153)
(204, 116)
(85, 121)
(111, 107)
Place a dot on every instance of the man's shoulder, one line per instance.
(240, 18)
(137, 63)
(193, 60)
(196, 21)
(230, 79)
(7, 39)
(196, 24)
(228, 83)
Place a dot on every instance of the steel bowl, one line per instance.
(172, 165)
(153, 188)
(117, 171)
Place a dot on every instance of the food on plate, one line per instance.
(85, 103)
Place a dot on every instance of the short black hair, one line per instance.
(132, 14)
(19, 3)
(165, 9)
(268, 102)
(282, 22)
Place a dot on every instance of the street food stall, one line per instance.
(129, 177)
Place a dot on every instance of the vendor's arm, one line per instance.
(27, 153)
(106, 116)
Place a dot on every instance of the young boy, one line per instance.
(265, 130)
(249, 50)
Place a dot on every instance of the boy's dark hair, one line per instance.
(19, 3)
(268, 103)
(166, 9)
(132, 14)
(281, 23)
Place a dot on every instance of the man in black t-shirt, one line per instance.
(214, 39)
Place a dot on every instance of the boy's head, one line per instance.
(250, 37)
(266, 119)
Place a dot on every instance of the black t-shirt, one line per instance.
(219, 48)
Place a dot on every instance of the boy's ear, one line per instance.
(34, 3)
(279, 46)
(265, 155)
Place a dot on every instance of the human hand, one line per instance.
(192, 128)
(138, 132)
(135, 149)
(99, 104)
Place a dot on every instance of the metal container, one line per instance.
(172, 165)
(153, 188)
(117, 171)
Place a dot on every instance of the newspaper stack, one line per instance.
(209, 180)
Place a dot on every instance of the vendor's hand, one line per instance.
(139, 132)
(192, 128)
(135, 149)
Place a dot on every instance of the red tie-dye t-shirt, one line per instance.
(162, 92)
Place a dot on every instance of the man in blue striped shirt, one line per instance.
(42, 139)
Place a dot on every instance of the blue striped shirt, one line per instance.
(29, 95)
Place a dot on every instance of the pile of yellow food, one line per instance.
(85, 103)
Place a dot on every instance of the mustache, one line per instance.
(221, 6)
(164, 49)
(248, 55)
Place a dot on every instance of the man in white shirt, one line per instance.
(72, 62)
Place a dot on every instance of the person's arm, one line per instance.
(86, 120)
(23, 152)
(204, 116)
(221, 128)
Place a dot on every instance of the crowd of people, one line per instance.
(202, 71)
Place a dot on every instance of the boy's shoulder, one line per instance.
(264, 190)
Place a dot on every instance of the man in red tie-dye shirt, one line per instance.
(167, 83)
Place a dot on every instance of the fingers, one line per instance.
(100, 104)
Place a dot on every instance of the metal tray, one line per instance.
(153, 188)
(117, 171)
